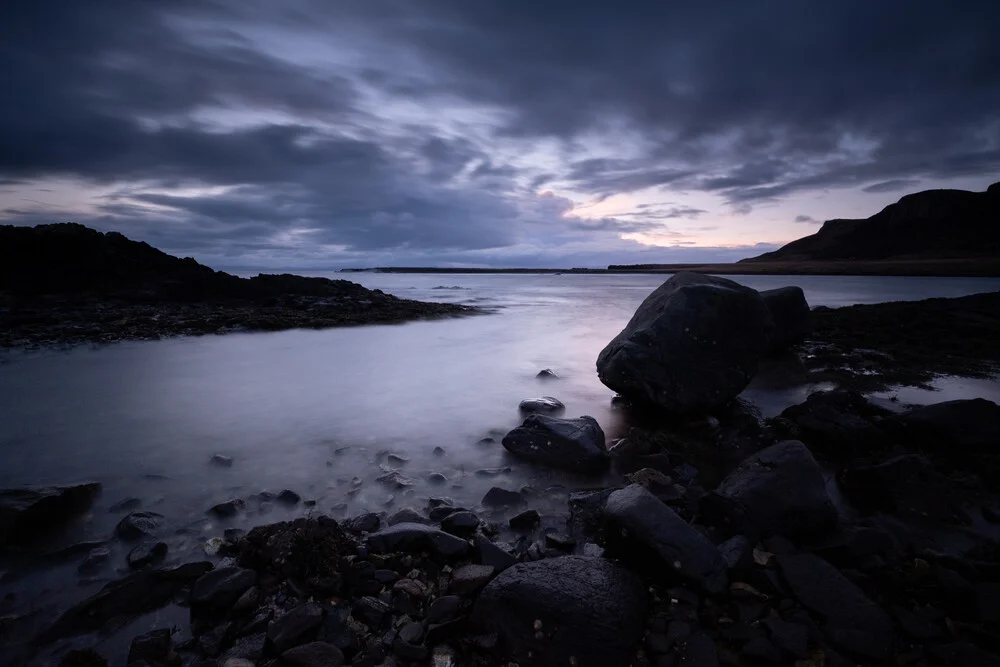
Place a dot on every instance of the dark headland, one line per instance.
(67, 283)
(930, 233)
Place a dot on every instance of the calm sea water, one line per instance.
(316, 411)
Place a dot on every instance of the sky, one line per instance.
(320, 134)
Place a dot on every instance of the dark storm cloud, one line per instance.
(234, 120)
(769, 86)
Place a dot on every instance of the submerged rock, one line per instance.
(221, 461)
(547, 374)
(146, 554)
(576, 445)
(790, 314)
(136, 525)
(220, 588)
(228, 509)
(498, 497)
(29, 513)
(693, 345)
(288, 497)
(124, 599)
(126, 505)
(565, 611)
(416, 537)
(650, 534)
(542, 404)
(778, 490)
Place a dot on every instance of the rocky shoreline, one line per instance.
(838, 533)
(66, 284)
(54, 321)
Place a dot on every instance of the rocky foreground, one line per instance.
(839, 533)
(67, 284)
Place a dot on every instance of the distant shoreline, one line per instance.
(938, 268)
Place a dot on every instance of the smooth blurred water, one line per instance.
(316, 411)
(311, 410)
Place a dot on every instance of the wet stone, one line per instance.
(416, 537)
(371, 611)
(94, 561)
(497, 497)
(560, 541)
(437, 478)
(221, 461)
(460, 523)
(444, 609)
(407, 643)
(488, 553)
(126, 505)
(228, 509)
(543, 404)
(146, 554)
(313, 654)
(297, 627)
(525, 521)
(405, 515)
(288, 497)
(221, 587)
(469, 579)
(136, 525)
(152, 647)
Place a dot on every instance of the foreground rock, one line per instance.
(565, 611)
(778, 490)
(650, 534)
(576, 445)
(418, 537)
(842, 422)
(29, 513)
(692, 345)
(851, 621)
(790, 314)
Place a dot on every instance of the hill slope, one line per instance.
(934, 224)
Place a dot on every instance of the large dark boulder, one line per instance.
(778, 490)
(29, 513)
(790, 314)
(572, 610)
(648, 533)
(576, 445)
(850, 620)
(958, 428)
(692, 345)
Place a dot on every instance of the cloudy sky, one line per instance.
(329, 133)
